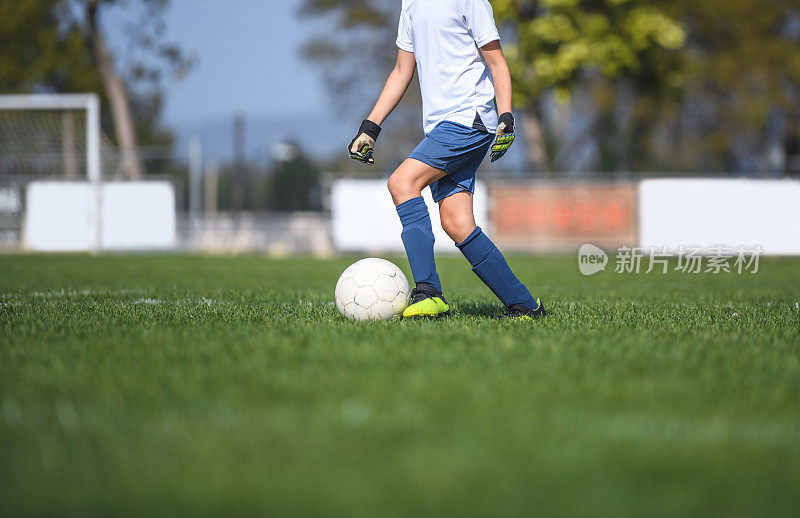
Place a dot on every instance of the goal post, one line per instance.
(88, 102)
(41, 132)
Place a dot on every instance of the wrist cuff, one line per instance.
(508, 120)
(370, 128)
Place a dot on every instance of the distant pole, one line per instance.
(210, 179)
(93, 166)
(195, 179)
(238, 177)
(776, 154)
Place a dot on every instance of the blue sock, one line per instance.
(418, 239)
(491, 267)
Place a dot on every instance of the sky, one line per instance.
(246, 61)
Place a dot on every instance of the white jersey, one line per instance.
(445, 37)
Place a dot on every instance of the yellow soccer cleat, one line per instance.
(426, 301)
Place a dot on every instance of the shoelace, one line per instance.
(418, 295)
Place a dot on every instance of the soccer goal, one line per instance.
(46, 137)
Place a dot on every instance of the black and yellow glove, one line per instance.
(361, 147)
(505, 136)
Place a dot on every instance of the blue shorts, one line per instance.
(458, 151)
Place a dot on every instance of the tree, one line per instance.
(555, 44)
(60, 46)
(39, 53)
(742, 74)
(115, 88)
(146, 34)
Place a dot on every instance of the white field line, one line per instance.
(149, 302)
(647, 427)
(643, 427)
(68, 293)
(24, 299)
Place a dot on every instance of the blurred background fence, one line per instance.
(609, 95)
(63, 189)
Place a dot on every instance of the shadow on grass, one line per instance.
(478, 309)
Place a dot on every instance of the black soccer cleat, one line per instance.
(524, 312)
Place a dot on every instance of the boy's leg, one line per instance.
(405, 186)
(486, 260)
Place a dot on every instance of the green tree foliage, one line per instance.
(557, 41)
(749, 50)
(560, 45)
(40, 52)
(739, 72)
(743, 67)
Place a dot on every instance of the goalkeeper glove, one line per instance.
(361, 147)
(505, 136)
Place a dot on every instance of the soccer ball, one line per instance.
(372, 289)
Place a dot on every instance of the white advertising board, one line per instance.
(365, 220)
(708, 212)
(138, 215)
(60, 216)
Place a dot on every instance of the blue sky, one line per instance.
(248, 60)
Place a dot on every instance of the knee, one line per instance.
(395, 185)
(457, 226)
(400, 188)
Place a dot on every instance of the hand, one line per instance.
(361, 147)
(505, 136)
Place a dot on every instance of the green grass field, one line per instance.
(183, 385)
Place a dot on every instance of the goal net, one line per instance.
(47, 137)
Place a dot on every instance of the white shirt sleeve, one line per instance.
(404, 40)
(479, 19)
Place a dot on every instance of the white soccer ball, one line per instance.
(372, 289)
